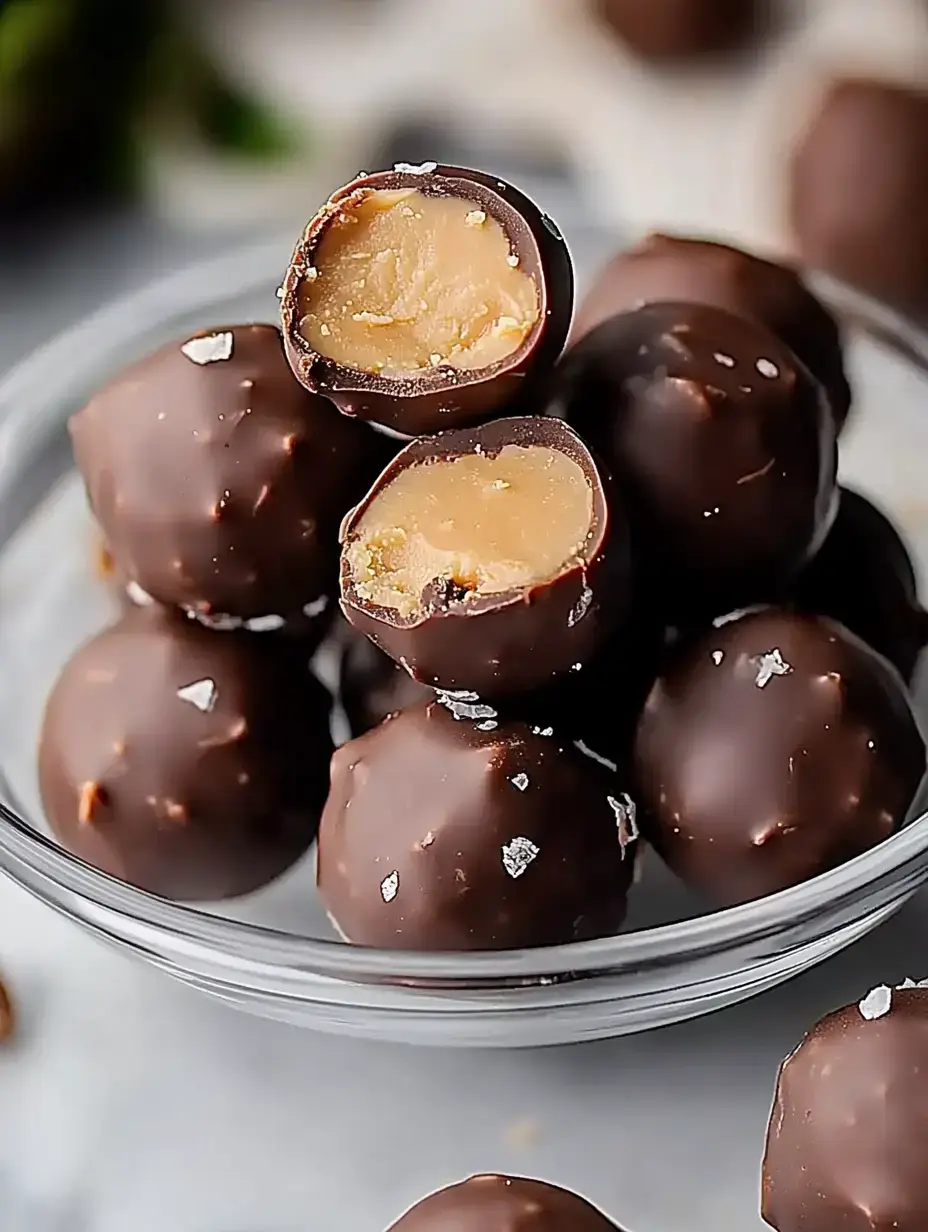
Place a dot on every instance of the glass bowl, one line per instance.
(275, 953)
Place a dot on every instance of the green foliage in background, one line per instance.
(86, 84)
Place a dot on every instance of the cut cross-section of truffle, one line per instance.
(189, 763)
(451, 827)
(489, 559)
(503, 1204)
(773, 748)
(427, 298)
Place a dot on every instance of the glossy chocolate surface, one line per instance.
(503, 1204)
(863, 578)
(442, 398)
(772, 748)
(190, 763)
(444, 830)
(671, 268)
(857, 189)
(848, 1135)
(675, 30)
(219, 483)
(721, 442)
(518, 640)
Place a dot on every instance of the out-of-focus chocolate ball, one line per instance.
(848, 1134)
(863, 578)
(190, 763)
(503, 1204)
(858, 185)
(445, 830)
(664, 268)
(371, 685)
(773, 748)
(673, 30)
(722, 444)
(219, 483)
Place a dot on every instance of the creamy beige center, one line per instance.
(405, 281)
(475, 525)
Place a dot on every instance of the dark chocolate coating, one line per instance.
(443, 398)
(676, 30)
(722, 444)
(503, 1204)
(203, 796)
(371, 685)
(858, 183)
(848, 1134)
(863, 578)
(670, 268)
(220, 486)
(771, 749)
(446, 832)
(518, 640)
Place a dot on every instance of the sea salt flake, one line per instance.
(580, 608)
(769, 665)
(489, 725)
(520, 781)
(415, 169)
(725, 360)
(389, 886)
(264, 624)
(316, 607)
(464, 705)
(718, 656)
(626, 818)
(591, 753)
(209, 349)
(876, 1003)
(201, 693)
(767, 368)
(518, 855)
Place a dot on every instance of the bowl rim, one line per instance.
(247, 271)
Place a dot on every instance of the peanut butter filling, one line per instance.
(404, 281)
(450, 530)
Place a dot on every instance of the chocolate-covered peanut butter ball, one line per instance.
(427, 297)
(219, 483)
(863, 578)
(672, 268)
(449, 827)
(492, 559)
(857, 190)
(503, 1204)
(190, 763)
(772, 748)
(848, 1133)
(371, 685)
(670, 31)
(722, 443)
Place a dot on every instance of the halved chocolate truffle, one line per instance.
(672, 268)
(426, 298)
(503, 1204)
(219, 483)
(449, 827)
(488, 559)
(848, 1134)
(858, 184)
(774, 747)
(722, 443)
(189, 763)
(678, 30)
(863, 578)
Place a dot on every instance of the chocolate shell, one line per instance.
(672, 31)
(721, 442)
(848, 1136)
(516, 640)
(189, 763)
(438, 398)
(773, 748)
(672, 268)
(219, 483)
(445, 830)
(371, 685)
(503, 1204)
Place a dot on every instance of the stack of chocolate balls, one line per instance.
(538, 553)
